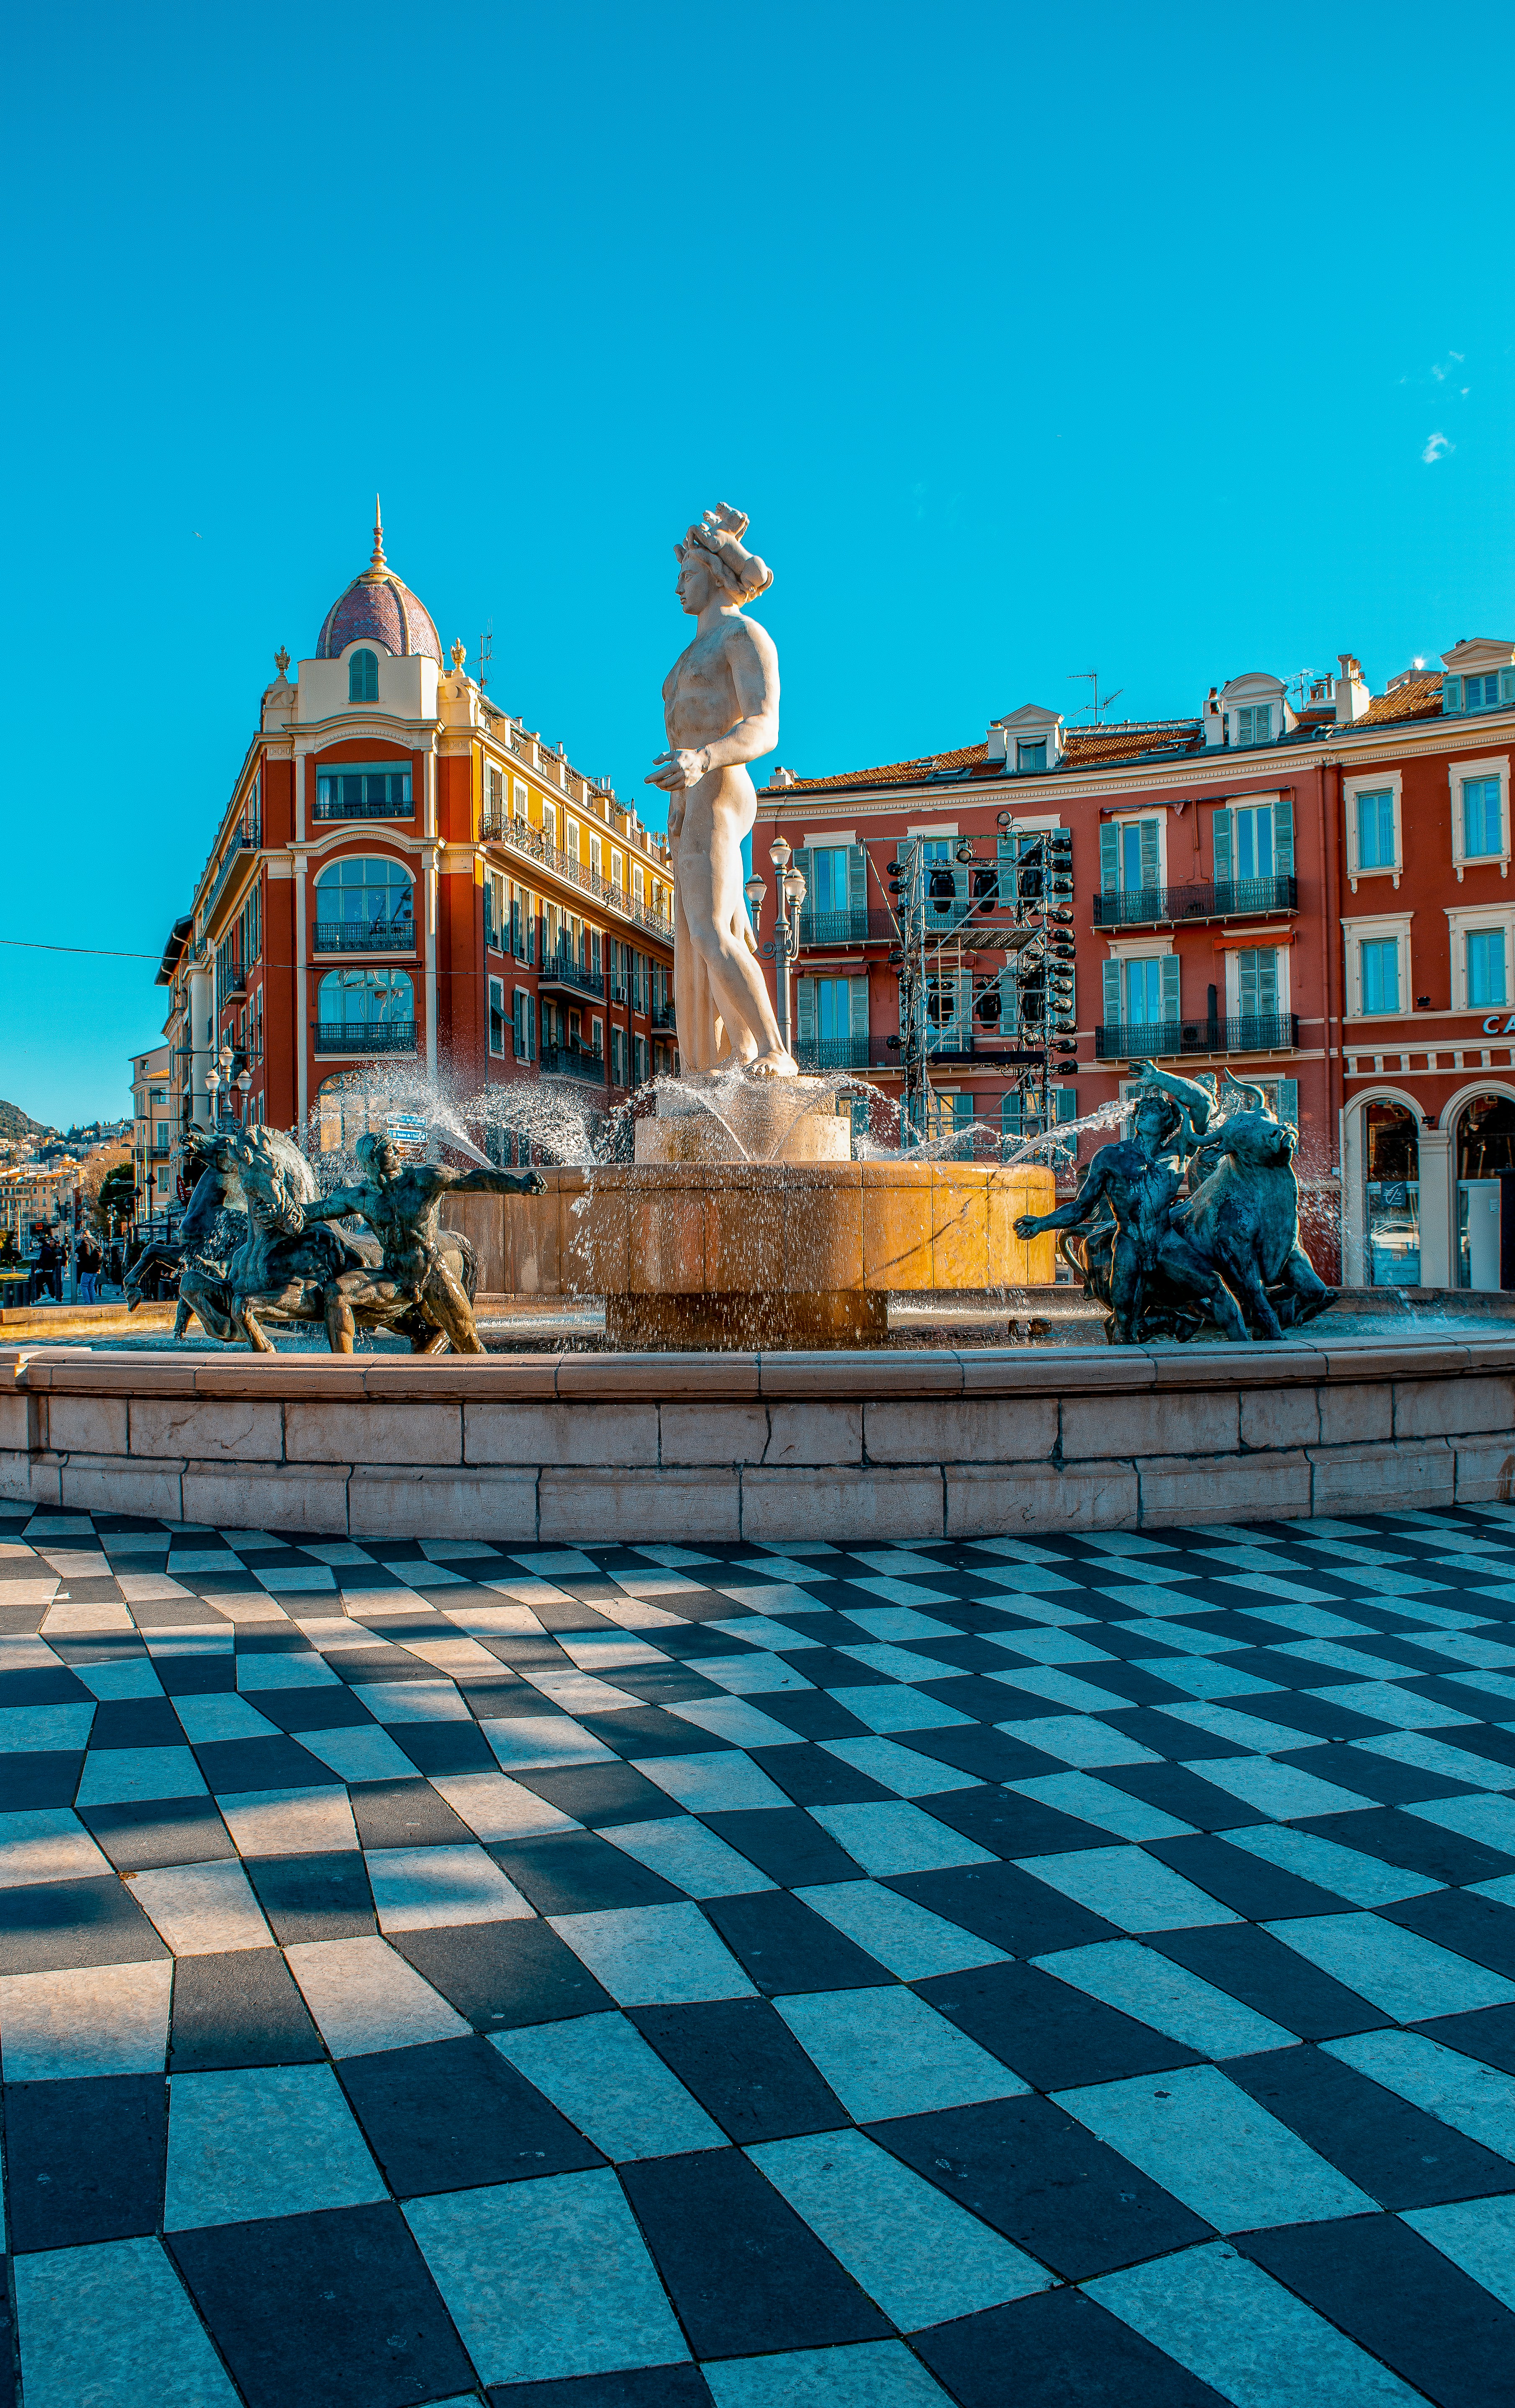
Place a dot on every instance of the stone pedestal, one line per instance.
(737, 1119)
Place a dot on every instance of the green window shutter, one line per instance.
(805, 1007)
(1507, 685)
(1170, 986)
(806, 867)
(857, 879)
(1006, 852)
(1111, 994)
(857, 1010)
(1289, 1102)
(1109, 858)
(1066, 1105)
(1150, 853)
(1220, 838)
(1451, 694)
(1283, 837)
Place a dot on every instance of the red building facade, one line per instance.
(405, 874)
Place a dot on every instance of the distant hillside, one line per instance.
(14, 1122)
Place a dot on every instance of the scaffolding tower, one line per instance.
(985, 955)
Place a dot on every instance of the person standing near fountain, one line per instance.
(401, 1203)
(720, 703)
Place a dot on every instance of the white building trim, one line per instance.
(1392, 781)
(1496, 765)
(1464, 919)
(1379, 925)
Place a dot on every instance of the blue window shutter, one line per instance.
(1067, 1103)
(1283, 835)
(1109, 858)
(857, 1010)
(857, 879)
(1507, 685)
(1289, 1102)
(1150, 853)
(1170, 986)
(806, 867)
(1220, 838)
(1451, 694)
(1006, 852)
(804, 993)
(1111, 994)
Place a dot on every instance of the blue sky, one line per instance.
(1032, 342)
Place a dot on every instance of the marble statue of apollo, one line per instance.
(720, 705)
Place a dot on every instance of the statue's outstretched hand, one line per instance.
(1028, 1225)
(533, 1184)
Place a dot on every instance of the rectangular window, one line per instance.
(1379, 960)
(1031, 756)
(1253, 842)
(496, 1015)
(549, 823)
(638, 889)
(1142, 982)
(364, 795)
(597, 857)
(1376, 830)
(828, 878)
(1481, 832)
(1481, 693)
(493, 793)
(1485, 967)
(1254, 723)
(520, 798)
(617, 870)
(1257, 984)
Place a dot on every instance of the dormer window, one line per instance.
(1031, 756)
(1254, 723)
(363, 677)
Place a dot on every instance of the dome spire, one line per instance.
(378, 567)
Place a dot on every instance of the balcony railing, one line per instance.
(566, 970)
(1147, 906)
(327, 809)
(661, 1016)
(352, 937)
(246, 841)
(851, 927)
(365, 1036)
(1154, 1040)
(523, 838)
(571, 1062)
(831, 1053)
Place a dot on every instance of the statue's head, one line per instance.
(714, 566)
(1157, 1118)
(378, 1154)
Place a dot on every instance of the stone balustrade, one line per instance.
(676, 1448)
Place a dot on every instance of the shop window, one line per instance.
(1485, 1149)
(1391, 1148)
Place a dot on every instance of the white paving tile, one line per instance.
(222, 1715)
(1426, 1755)
(46, 1843)
(893, 1707)
(124, 1776)
(496, 1808)
(365, 1998)
(1213, 2147)
(886, 2053)
(600, 2074)
(412, 1701)
(860, 2375)
(1130, 1888)
(1241, 2333)
(547, 2279)
(908, 1940)
(681, 1850)
(96, 2019)
(1490, 1819)
(1408, 1977)
(1366, 1880)
(25, 1730)
(432, 1888)
(275, 2140)
(651, 1955)
(903, 1770)
(1095, 1801)
(910, 2247)
(289, 1822)
(128, 1676)
(202, 1910)
(359, 1754)
(113, 2327)
(734, 1720)
(1478, 2235)
(1079, 1739)
(541, 1742)
(296, 1668)
(1168, 1997)
(722, 1783)
(886, 1836)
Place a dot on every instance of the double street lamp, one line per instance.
(785, 949)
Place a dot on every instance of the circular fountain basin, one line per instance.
(716, 1254)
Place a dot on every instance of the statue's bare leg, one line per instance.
(256, 1336)
(341, 1329)
(444, 1302)
(717, 814)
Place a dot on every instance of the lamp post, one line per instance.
(789, 885)
(244, 1081)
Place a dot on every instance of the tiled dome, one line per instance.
(377, 605)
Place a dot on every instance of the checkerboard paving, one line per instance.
(1034, 1971)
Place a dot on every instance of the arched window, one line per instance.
(1485, 1145)
(366, 1012)
(364, 904)
(1391, 1164)
(350, 1104)
(363, 677)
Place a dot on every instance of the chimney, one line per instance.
(1214, 718)
(1352, 697)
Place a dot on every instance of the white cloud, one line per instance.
(1435, 448)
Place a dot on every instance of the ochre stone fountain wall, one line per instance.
(700, 1253)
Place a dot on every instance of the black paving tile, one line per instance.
(577, 1872)
(164, 1832)
(1399, 2156)
(1402, 2301)
(1007, 1906)
(744, 2273)
(39, 1777)
(1264, 1893)
(784, 1843)
(813, 1778)
(1058, 2349)
(812, 1714)
(50, 1684)
(1409, 1841)
(641, 2386)
(336, 2310)
(239, 2009)
(1181, 1790)
(1254, 1967)
(1488, 2034)
(404, 1814)
(314, 1710)
(1053, 2036)
(136, 1722)
(597, 1793)
(744, 2065)
(454, 2116)
(502, 1975)
(232, 1767)
(50, 1927)
(439, 1748)
(1044, 2181)
(1012, 1826)
(85, 2159)
(782, 1945)
(1383, 1777)
(1479, 1928)
(319, 1897)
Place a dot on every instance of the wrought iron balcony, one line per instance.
(571, 1062)
(247, 840)
(566, 970)
(1157, 1040)
(1233, 898)
(661, 1016)
(365, 1036)
(520, 838)
(329, 809)
(354, 936)
(831, 1053)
